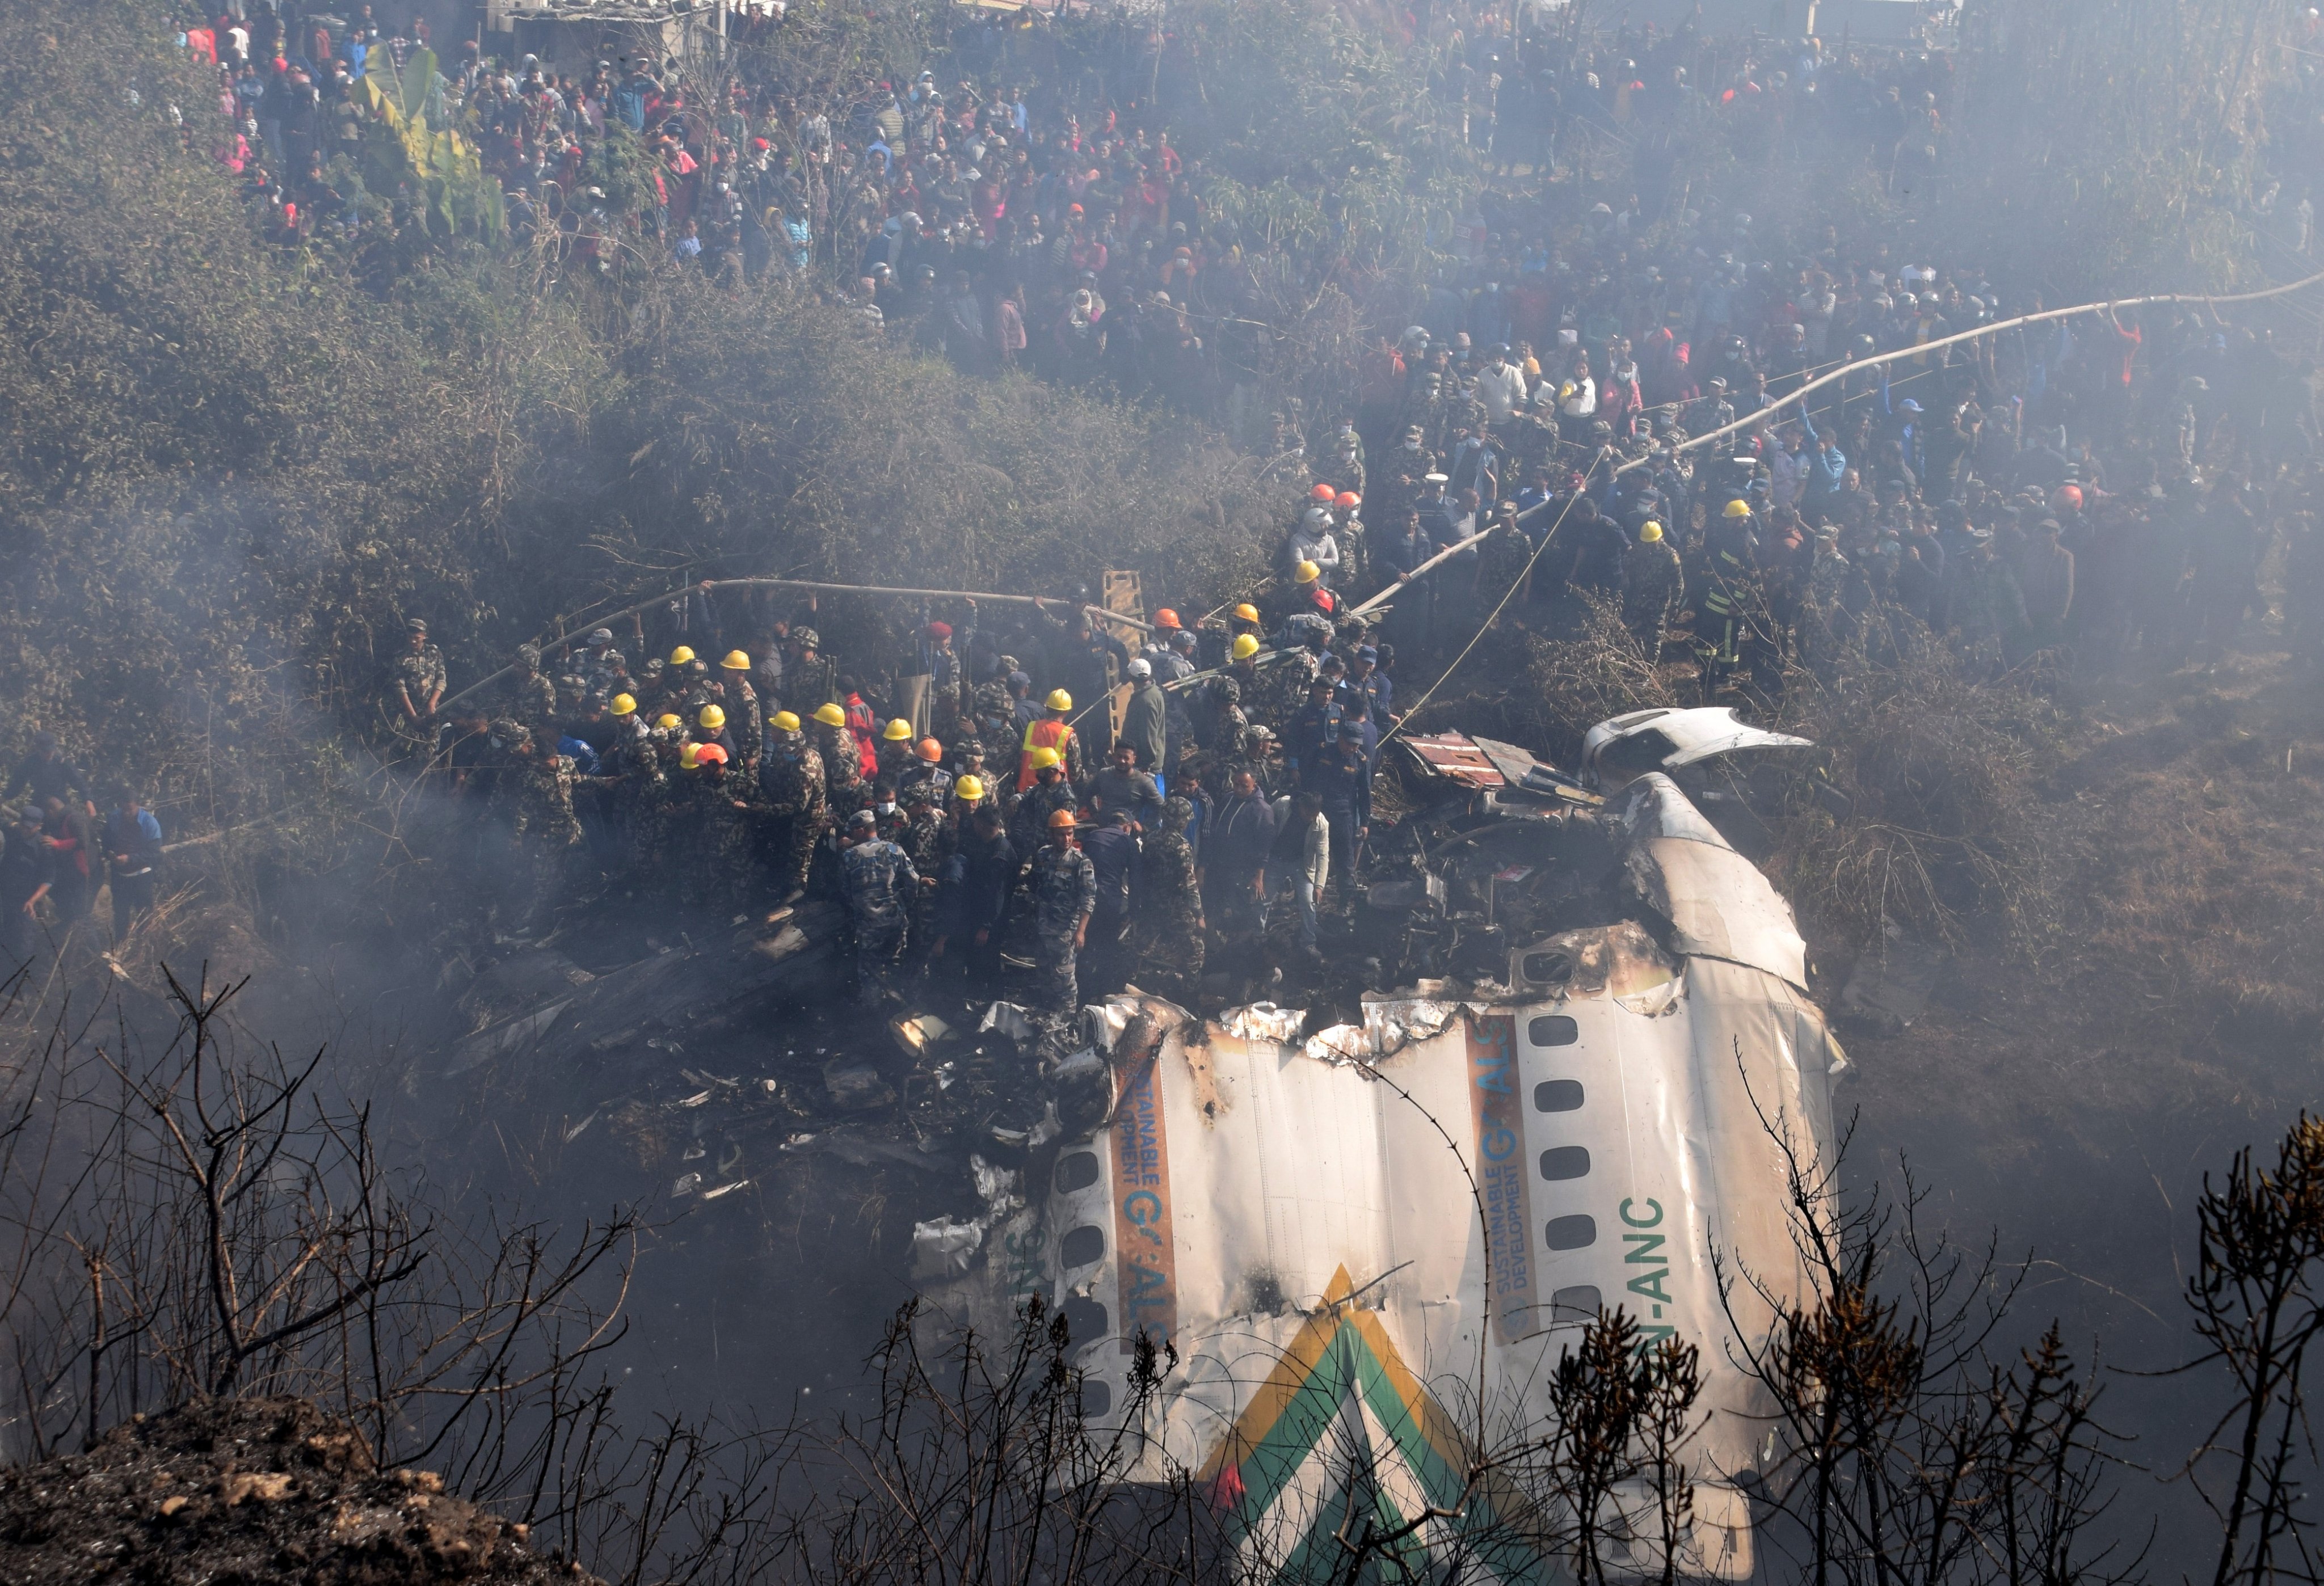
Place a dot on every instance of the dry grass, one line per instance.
(1939, 773)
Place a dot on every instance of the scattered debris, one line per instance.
(855, 1087)
(943, 1249)
(1616, 753)
(252, 1490)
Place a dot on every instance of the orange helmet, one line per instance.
(1165, 618)
(1347, 500)
(1320, 492)
(930, 750)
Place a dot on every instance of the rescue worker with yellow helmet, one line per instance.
(1048, 792)
(1651, 587)
(843, 772)
(1053, 732)
(731, 689)
(792, 777)
(896, 743)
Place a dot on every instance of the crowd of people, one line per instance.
(1107, 821)
(1517, 446)
(60, 852)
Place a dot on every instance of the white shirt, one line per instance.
(1790, 470)
(1316, 546)
(1584, 400)
(1502, 391)
(1315, 854)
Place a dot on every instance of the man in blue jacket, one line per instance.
(133, 847)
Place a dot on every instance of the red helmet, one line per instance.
(1347, 500)
(2070, 496)
(1321, 492)
(710, 754)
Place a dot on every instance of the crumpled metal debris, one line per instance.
(945, 1248)
(855, 1087)
(1264, 1021)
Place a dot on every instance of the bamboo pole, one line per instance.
(1765, 415)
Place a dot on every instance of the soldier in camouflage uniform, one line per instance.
(719, 819)
(1221, 727)
(654, 802)
(927, 840)
(1170, 927)
(792, 777)
(1287, 678)
(632, 768)
(1061, 890)
(532, 697)
(1651, 586)
(1028, 823)
(746, 724)
(811, 677)
(926, 768)
(543, 827)
(843, 788)
(415, 686)
(995, 706)
(878, 884)
(603, 669)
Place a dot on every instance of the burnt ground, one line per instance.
(246, 1491)
(2072, 1081)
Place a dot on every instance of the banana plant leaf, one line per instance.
(419, 84)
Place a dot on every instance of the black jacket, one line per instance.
(1240, 834)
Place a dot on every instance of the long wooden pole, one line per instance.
(1762, 415)
(1750, 420)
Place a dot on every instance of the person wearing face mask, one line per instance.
(1500, 386)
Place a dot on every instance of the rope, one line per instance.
(1760, 418)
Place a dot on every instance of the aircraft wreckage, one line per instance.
(1597, 1083)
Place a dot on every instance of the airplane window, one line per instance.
(1553, 1030)
(1565, 1162)
(1082, 1247)
(1557, 1095)
(1548, 968)
(1085, 1319)
(1573, 1233)
(1076, 1172)
(1578, 1303)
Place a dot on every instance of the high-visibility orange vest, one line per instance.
(1048, 732)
